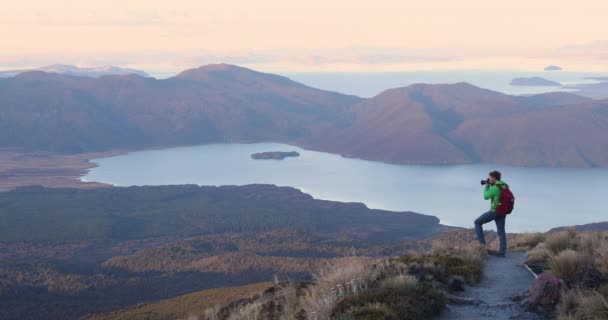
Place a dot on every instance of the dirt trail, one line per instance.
(504, 279)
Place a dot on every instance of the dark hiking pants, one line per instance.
(500, 227)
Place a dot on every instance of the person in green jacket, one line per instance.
(492, 192)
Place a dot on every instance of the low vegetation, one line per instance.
(413, 286)
(43, 214)
(68, 252)
(184, 307)
(580, 260)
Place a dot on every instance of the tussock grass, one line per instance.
(526, 241)
(571, 255)
(400, 281)
(593, 306)
(335, 282)
(580, 305)
(538, 255)
(466, 262)
(601, 259)
(250, 311)
(567, 262)
(557, 242)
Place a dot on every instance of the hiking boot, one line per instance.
(496, 253)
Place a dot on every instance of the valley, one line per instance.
(69, 252)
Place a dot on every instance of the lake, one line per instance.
(545, 197)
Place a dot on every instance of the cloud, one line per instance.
(326, 57)
(115, 19)
(594, 50)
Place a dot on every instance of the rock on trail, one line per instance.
(498, 294)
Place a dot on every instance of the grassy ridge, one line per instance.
(412, 286)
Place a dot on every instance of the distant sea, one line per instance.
(369, 84)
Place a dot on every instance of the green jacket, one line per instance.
(493, 193)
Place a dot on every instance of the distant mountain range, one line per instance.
(421, 124)
(77, 71)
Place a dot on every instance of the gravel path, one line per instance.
(504, 279)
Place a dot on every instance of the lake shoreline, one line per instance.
(384, 186)
(67, 170)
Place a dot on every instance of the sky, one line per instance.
(311, 35)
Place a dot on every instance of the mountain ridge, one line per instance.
(77, 71)
(417, 124)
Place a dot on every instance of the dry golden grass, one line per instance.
(47, 169)
(565, 264)
(334, 282)
(580, 305)
(250, 311)
(196, 305)
(557, 242)
(564, 254)
(601, 259)
(399, 281)
(593, 306)
(538, 255)
(525, 241)
(570, 302)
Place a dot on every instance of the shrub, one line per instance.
(569, 303)
(577, 304)
(567, 262)
(330, 285)
(526, 241)
(590, 241)
(593, 306)
(601, 258)
(557, 242)
(467, 262)
(539, 257)
(250, 311)
(399, 281)
(422, 302)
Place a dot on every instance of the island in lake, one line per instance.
(534, 81)
(274, 155)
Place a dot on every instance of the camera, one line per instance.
(484, 182)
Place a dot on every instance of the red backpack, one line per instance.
(506, 202)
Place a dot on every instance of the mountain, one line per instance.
(215, 103)
(93, 72)
(460, 123)
(598, 226)
(552, 99)
(418, 124)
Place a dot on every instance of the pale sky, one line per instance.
(310, 35)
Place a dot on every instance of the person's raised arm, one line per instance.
(488, 192)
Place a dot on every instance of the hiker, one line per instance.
(502, 202)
